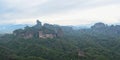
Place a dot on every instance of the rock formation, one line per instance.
(39, 31)
(99, 25)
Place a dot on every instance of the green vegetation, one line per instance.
(100, 42)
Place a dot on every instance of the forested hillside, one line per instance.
(100, 42)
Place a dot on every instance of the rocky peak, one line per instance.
(39, 31)
(38, 22)
(38, 25)
(99, 25)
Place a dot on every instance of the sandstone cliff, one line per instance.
(39, 31)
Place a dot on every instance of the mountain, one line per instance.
(101, 28)
(9, 28)
(39, 31)
(99, 42)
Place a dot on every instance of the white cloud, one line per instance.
(108, 14)
(24, 3)
(63, 12)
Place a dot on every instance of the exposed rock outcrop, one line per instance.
(81, 53)
(39, 31)
(42, 35)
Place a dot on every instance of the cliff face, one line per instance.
(39, 31)
(43, 35)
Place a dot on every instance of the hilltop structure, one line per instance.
(39, 31)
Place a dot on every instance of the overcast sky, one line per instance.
(62, 12)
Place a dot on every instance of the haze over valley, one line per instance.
(59, 30)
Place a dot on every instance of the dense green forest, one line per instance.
(100, 42)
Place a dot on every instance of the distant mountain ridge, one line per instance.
(103, 29)
(9, 28)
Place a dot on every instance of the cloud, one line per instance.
(71, 12)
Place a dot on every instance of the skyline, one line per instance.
(63, 12)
